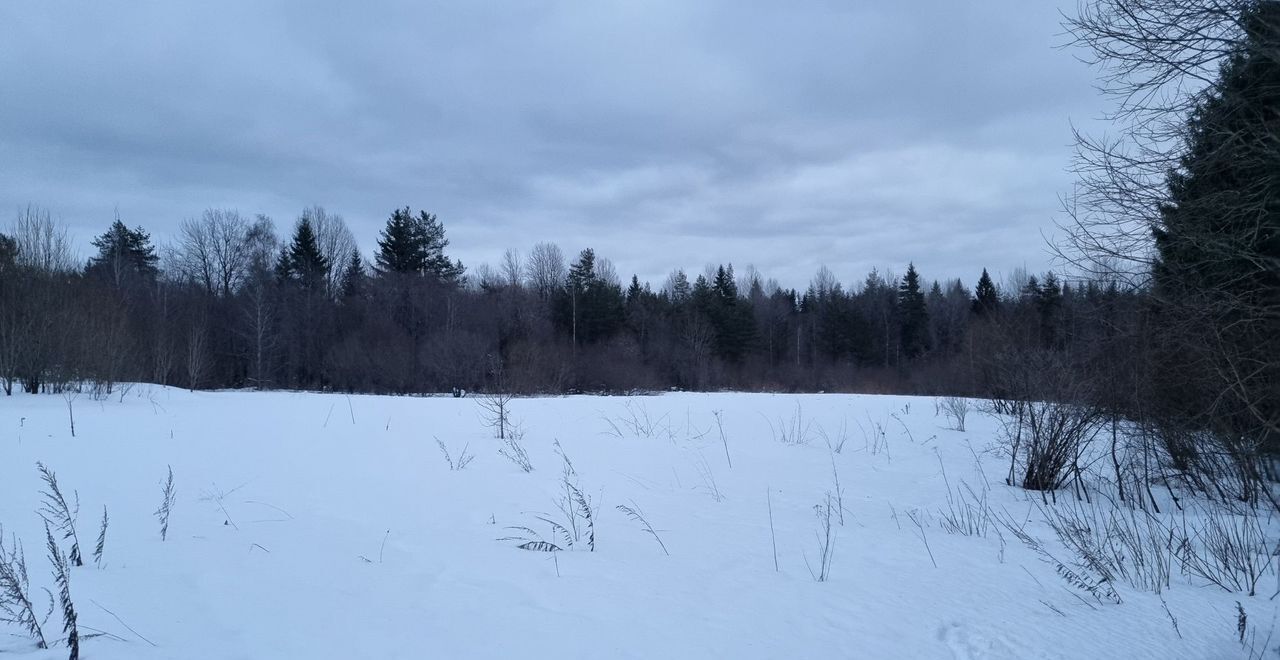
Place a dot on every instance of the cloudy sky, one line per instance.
(665, 133)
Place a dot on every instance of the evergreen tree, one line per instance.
(400, 245)
(913, 315)
(1031, 290)
(589, 308)
(986, 299)
(680, 288)
(353, 277)
(1048, 302)
(414, 245)
(124, 255)
(634, 291)
(1217, 276)
(731, 319)
(301, 262)
(8, 254)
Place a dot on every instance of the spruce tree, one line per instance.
(913, 315)
(301, 262)
(986, 300)
(400, 247)
(731, 320)
(589, 308)
(634, 291)
(353, 277)
(414, 245)
(1048, 302)
(1217, 276)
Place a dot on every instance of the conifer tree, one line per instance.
(986, 300)
(913, 315)
(1217, 276)
(634, 291)
(589, 308)
(124, 255)
(414, 245)
(301, 261)
(731, 319)
(353, 277)
(400, 247)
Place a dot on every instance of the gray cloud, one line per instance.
(663, 134)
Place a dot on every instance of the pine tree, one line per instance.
(913, 315)
(124, 255)
(986, 300)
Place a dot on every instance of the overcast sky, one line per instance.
(661, 133)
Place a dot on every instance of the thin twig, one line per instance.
(118, 619)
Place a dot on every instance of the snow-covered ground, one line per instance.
(326, 526)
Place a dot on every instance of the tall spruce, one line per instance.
(302, 263)
(986, 299)
(414, 245)
(1217, 275)
(913, 315)
(731, 318)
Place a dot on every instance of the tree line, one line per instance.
(231, 304)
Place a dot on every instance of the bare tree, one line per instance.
(261, 243)
(43, 245)
(336, 243)
(258, 328)
(545, 269)
(197, 355)
(1156, 57)
(512, 269)
(214, 250)
(495, 410)
(824, 282)
(485, 277)
(607, 272)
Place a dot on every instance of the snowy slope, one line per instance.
(284, 502)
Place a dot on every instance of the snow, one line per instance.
(275, 548)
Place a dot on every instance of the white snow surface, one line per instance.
(284, 501)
